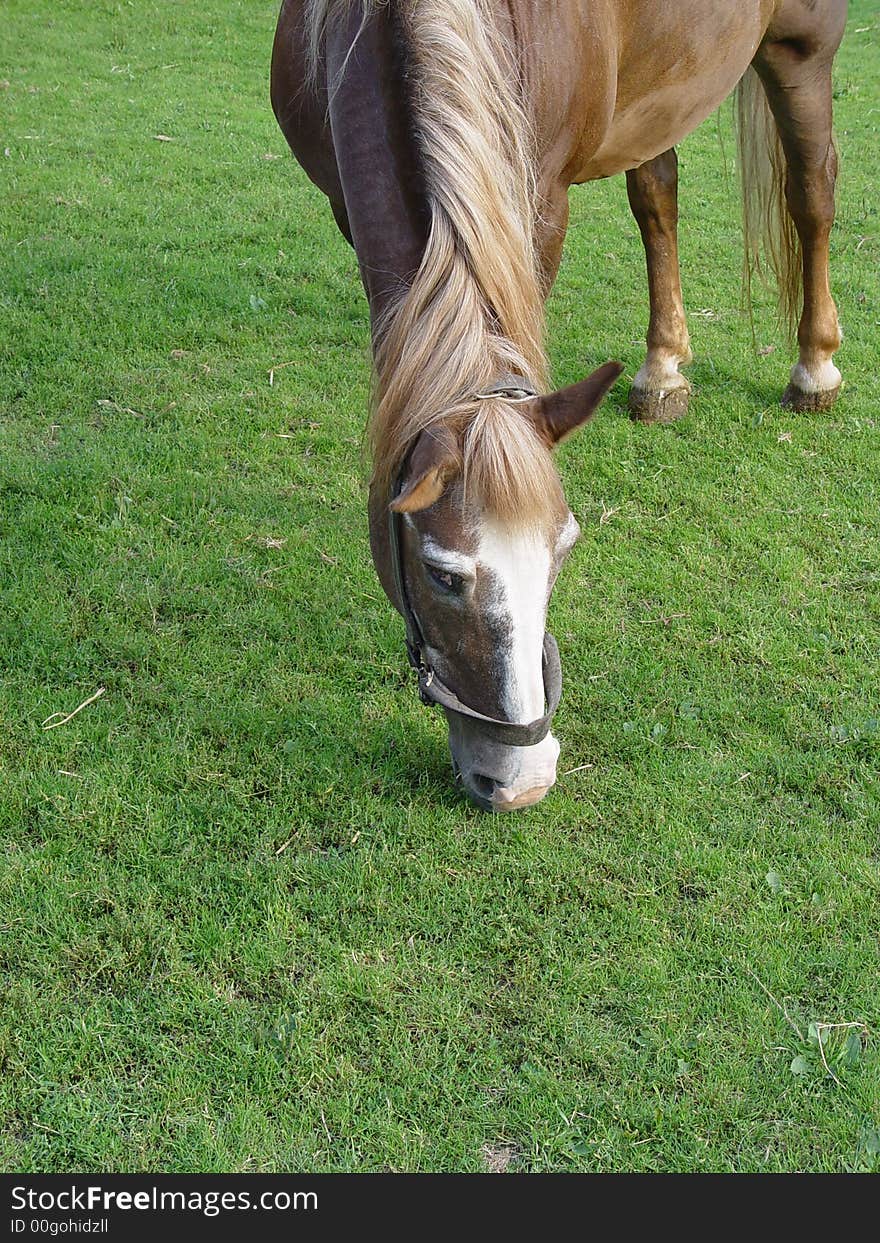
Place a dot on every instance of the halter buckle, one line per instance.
(509, 387)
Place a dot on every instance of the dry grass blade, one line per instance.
(49, 723)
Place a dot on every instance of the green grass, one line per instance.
(247, 921)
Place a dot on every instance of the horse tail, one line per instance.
(769, 236)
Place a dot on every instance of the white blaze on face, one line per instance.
(519, 562)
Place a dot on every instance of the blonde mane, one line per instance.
(474, 311)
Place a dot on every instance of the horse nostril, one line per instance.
(482, 786)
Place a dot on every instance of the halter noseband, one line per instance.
(432, 689)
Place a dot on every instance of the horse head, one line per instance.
(469, 559)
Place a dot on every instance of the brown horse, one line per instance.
(445, 134)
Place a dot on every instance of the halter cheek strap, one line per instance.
(432, 689)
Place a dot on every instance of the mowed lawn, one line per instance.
(246, 920)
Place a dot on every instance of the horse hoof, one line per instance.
(664, 406)
(808, 403)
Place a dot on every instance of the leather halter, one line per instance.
(432, 689)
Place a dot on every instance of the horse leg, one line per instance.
(798, 89)
(660, 392)
(550, 228)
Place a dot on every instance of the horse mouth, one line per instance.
(489, 796)
(509, 800)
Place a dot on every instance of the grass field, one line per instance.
(247, 921)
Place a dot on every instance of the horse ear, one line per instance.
(433, 461)
(560, 413)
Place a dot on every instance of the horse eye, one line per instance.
(448, 582)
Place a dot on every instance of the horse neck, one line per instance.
(375, 153)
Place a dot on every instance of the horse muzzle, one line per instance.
(498, 777)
